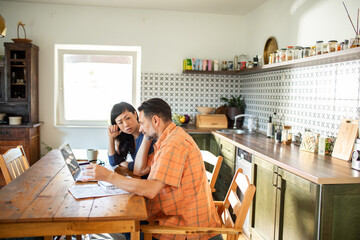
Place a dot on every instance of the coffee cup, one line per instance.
(92, 154)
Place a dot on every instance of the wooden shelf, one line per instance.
(334, 57)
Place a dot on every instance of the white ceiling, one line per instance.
(227, 7)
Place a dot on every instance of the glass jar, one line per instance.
(277, 56)
(243, 59)
(312, 51)
(286, 135)
(298, 53)
(332, 44)
(325, 48)
(290, 53)
(230, 66)
(319, 47)
(283, 55)
(306, 52)
(224, 66)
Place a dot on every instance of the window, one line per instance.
(89, 80)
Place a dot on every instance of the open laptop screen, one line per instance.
(70, 159)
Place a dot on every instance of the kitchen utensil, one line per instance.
(344, 144)
(270, 47)
(211, 121)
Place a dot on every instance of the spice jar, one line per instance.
(298, 52)
(224, 66)
(332, 44)
(325, 48)
(289, 53)
(319, 47)
(283, 55)
(312, 51)
(277, 56)
(306, 52)
(286, 135)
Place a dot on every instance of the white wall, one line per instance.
(298, 23)
(166, 38)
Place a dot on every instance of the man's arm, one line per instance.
(140, 166)
(144, 187)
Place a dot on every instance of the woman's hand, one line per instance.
(96, 172)
(114, 131)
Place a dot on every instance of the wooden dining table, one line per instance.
(38, 203)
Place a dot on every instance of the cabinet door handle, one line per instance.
(274, 174)
(278, 187)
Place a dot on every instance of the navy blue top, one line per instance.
(115, 159)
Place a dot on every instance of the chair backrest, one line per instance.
(240, 186)
(13, 163)
(215, 162)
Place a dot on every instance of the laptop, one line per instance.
(75, 169)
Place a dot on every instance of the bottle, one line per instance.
(269, 132)
(274, 125)
(235, 63)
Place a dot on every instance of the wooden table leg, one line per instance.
(136, 234)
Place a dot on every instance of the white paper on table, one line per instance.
(93, 190)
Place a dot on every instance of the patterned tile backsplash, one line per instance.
(315, 98)
(183, 92)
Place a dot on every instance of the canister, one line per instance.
(332, 44)
(306, 52)
(319, 47)
(289, 53)
(283, 55)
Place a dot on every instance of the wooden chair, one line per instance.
(13, 163)
(229, 227)
(215, 162)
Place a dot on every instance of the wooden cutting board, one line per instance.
(344, 144)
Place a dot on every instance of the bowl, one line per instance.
(205, 110)
(15, 120)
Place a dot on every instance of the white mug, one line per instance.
(92, 154)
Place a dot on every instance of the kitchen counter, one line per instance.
(191, 128)
(313, 167)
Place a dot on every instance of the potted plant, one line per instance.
(236, 106)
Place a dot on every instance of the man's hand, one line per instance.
(96, 172)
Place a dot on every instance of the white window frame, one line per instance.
(61, 49)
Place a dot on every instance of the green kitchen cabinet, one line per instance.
(285, 205)
(202, 140)
(340, 211)
(227, 170)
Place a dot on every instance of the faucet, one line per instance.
(250, 121)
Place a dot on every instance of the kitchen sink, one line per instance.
(233, 131)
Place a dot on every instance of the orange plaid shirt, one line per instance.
(186, 199)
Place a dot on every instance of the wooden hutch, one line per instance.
(19, 80)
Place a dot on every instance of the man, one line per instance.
(177, 189)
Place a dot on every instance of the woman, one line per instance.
(124, 135)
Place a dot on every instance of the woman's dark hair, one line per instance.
(156, 106)
(126, 141)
